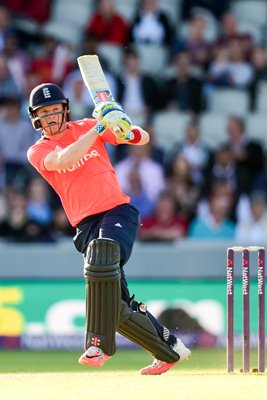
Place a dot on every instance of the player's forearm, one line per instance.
(66, 157)
(75, 151)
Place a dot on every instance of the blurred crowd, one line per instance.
(186, 190)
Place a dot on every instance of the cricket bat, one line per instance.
(96, 83)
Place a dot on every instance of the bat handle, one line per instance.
(118, 132)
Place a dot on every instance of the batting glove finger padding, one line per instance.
(125, 127)
(111, 115)
(103, 108)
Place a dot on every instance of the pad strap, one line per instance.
(138, 328)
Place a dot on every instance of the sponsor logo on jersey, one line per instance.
(81, 162)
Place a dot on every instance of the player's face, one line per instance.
(51, 119)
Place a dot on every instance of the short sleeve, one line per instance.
(36, 155)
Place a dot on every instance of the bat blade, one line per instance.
(94, 78)
(95, 81)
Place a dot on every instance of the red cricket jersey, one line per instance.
(89, 186)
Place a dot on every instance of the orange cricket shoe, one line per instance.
(159, 367)
(94, 357)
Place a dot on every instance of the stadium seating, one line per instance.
(254, 11)
(73, 12)
(229, 101)
(253, 29)
(64, 31)
(113, 55)
(169, 127)
(213, 129)
(126, 8)
(261, 101)
(257, 127)
(172, 9)
(153, 58)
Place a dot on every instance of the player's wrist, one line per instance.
(99, 128)
(136, 135)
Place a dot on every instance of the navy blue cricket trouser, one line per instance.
(121, 224)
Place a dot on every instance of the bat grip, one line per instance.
(118, 132)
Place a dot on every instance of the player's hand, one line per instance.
(107, 110)
(111, 115)
(122, 128)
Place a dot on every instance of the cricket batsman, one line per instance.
(71, 156)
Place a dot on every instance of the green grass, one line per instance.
(53, 375)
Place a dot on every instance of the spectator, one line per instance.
(107, 25)
(77, 93)
(139, 198)
(182, 187)
(259, 183)
(218, 225)
(165, 225)
(16, 227)
(38, 202)
(2, 180)
(89, 45)
(151, 173)
(218, 8)
(3, 209)
(8, 86)
(253, 228)
(138, 93)
(194, 151)
(229, 31)
(156, 152)
(184, 90)
(54, 61)
(218, 74)
(151, 25)
(16, 135)
(223, 169)
(219, 187)
(5, 24)
(18, 60)
(247, 154)
(38, 11)
(61, 228)
(32, 80)
(230, 69)
(259, 62)
(195, 42)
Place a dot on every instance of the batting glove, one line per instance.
(99, 128)
(104, 109)
(122, 128)
(111, 115)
